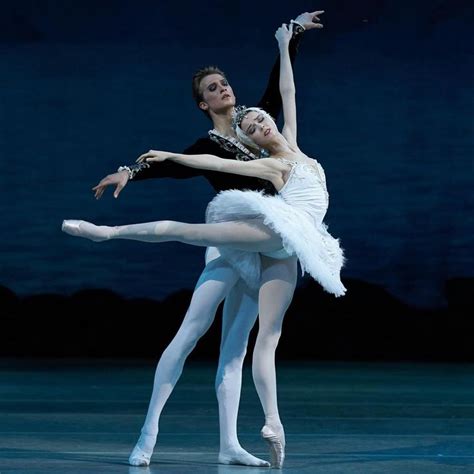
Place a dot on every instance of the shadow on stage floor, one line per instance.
(84, 415)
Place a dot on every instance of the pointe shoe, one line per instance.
(138, 457)
(276, 443)
(85, 229)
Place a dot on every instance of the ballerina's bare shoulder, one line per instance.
(290, 161)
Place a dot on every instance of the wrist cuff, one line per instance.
(127, 169)
(133, 170)
(298, 28)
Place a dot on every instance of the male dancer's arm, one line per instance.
(271, 99)
(138, 171)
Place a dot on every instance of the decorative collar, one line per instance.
(233, 145)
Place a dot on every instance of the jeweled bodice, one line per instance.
(305, 188)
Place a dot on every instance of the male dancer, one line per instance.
(218, 280)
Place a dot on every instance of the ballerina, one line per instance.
(245, 224)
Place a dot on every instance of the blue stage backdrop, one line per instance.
(385, 102)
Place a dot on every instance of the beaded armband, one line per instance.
(132, 170)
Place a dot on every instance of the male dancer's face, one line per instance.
(217, 94)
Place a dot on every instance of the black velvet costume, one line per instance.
(213, 145)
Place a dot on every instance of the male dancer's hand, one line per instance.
(310, 20)
(119, 180)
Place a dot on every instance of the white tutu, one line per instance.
(296, 214)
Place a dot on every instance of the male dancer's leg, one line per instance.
(239, 315)
(213, 286)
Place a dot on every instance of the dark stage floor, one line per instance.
(83, 416)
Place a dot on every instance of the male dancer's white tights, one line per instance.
(218, 281)
(240, 311)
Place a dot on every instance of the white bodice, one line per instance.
(305, 189)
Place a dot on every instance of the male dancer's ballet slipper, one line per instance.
(239, 456)
(138, 457)
(276, 443)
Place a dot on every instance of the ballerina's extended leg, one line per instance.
(249, 235)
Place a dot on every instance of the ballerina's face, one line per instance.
(216, 93)
(259, 127)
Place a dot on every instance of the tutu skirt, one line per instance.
(302, 234)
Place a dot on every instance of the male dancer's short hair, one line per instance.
(198, 76)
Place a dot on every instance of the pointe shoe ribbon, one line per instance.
(276, 443)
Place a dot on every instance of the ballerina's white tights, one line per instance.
(278, 283)
(249, 235)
